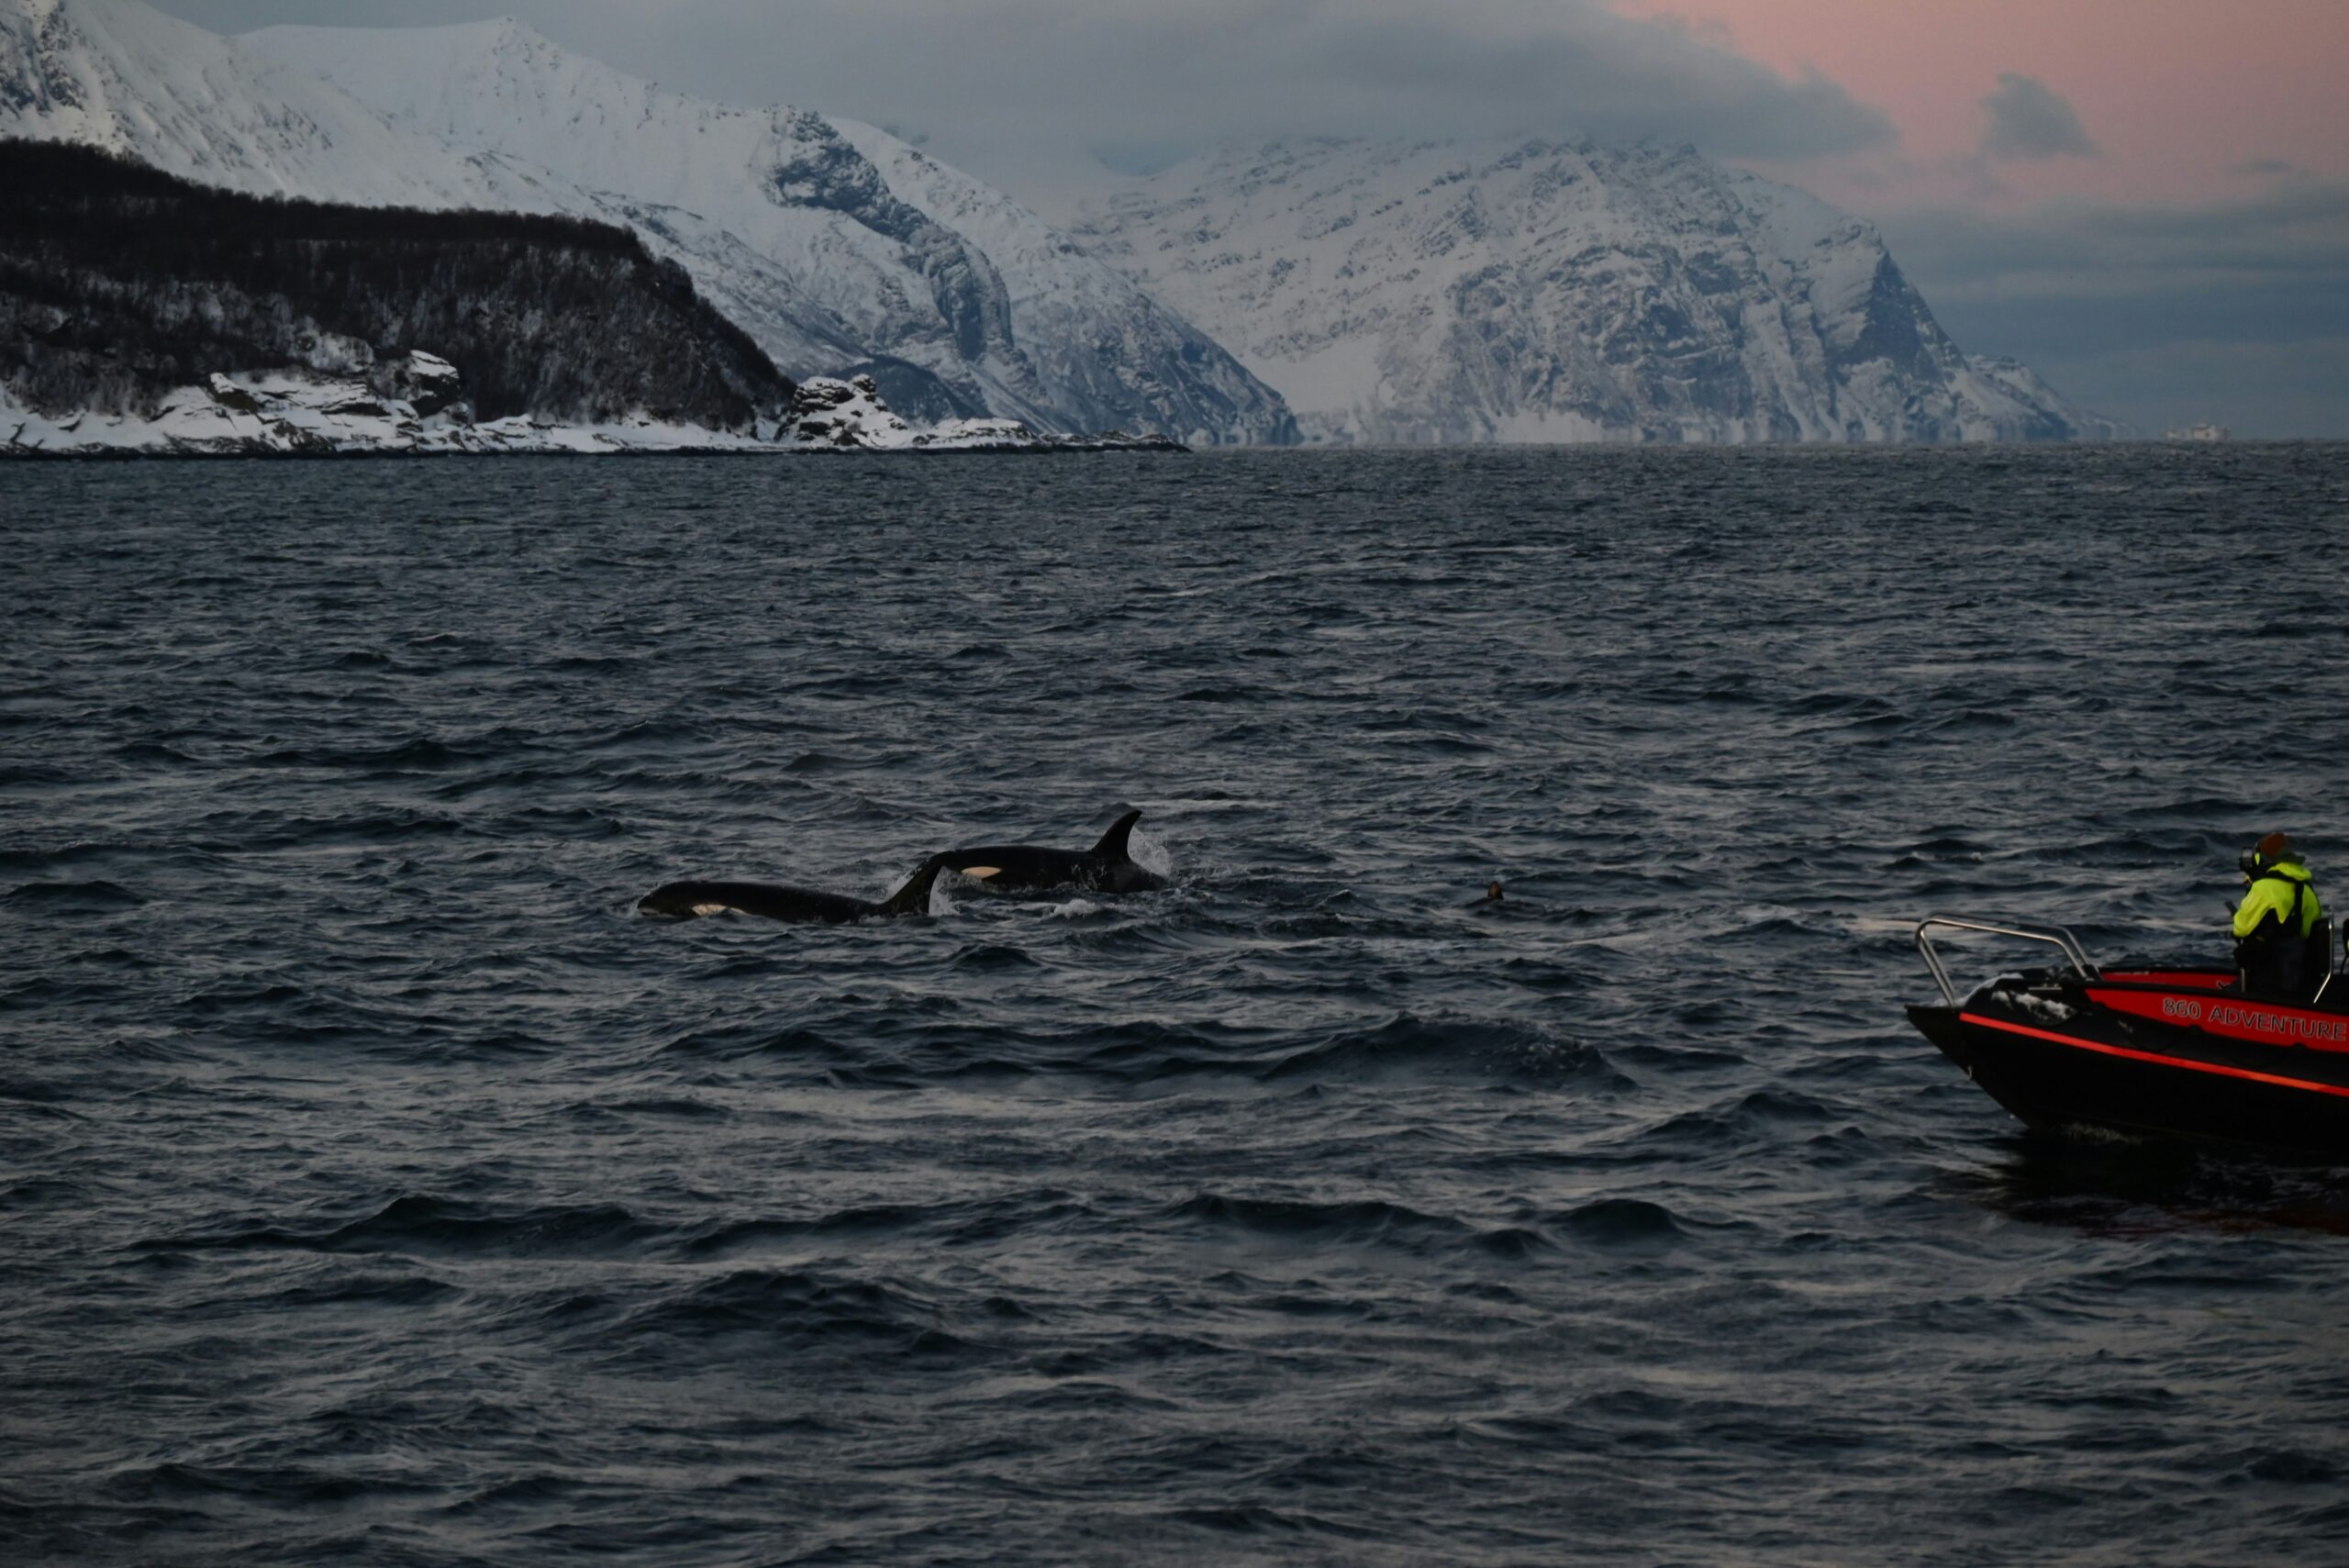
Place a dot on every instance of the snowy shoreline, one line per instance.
(1042, 447)
(294, 415)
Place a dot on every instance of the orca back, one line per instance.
(1108, 867)
(796, 906)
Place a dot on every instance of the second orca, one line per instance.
(1108, 867)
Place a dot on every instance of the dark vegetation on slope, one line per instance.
(118, 282)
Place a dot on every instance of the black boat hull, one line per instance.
(2062, 1055)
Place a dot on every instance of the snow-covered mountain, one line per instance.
(1557, 292)
(900, 256)
(838, 248)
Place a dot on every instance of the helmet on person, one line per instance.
(2268, 853)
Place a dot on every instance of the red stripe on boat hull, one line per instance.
(2135, 1055)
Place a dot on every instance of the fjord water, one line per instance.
(376, 1187)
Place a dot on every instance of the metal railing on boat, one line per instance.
(2053, 935)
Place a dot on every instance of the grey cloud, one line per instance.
(1484, 68)
(2237, 311)
(2299, 230)
(1006, 87)
(2031, 120)
(2294, 391)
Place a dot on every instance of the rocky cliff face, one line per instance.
(1558, 291)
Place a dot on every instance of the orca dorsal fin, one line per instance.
(914, 898)
(1113, 845)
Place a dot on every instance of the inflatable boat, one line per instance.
(2165, 1052)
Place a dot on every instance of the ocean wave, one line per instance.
(1407, 1047)
(420, 1224)
(1623, 1224)
(61, 897)
(788, 1309)
(1358, 1222)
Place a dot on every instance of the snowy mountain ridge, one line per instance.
(785, 220)
(1557, 291)
(124, 78)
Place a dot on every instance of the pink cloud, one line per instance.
(2180, 96)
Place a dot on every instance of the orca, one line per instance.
(1108, 867)
(800, 906)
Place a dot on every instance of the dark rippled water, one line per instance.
(375, 1188)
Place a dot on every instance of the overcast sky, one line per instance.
(2146, 199)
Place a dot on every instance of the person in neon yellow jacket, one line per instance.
(2281, 947)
